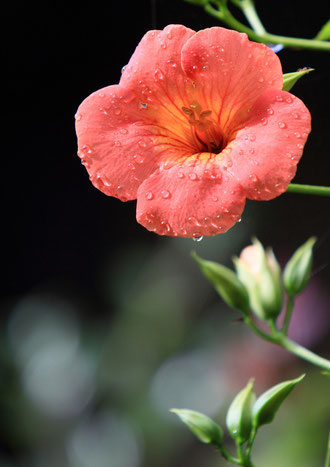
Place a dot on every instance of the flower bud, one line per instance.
(225, 283)
(260, 272)
(297, 271)
(266, 406)
(290, 79)
(202, 426)
(239, 415)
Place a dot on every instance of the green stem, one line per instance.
(303, 353)
(247, 6)
(309, 189)
(288, 313)
(226, 455)
(251, 440)
(244, 457)
(296, 42)
(327, 459)
(278, 338)
(258, 331)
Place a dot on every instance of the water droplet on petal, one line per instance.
(165, 194)
(282, 125)
(180, 175)
(143, 105)
(261, 79)
(279, 98)
(197, 237)
(117, 111)
(193, 176)
(253, 178)
(138, 159)
(264, 121)
(101, 94)
(117, 144)
(295, 115)
(239, 220)
(78, 117)
(159, 75)
(270, 111)
(149, 195)
(252, 137)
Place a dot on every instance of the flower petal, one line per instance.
(155, 73)
(230, 72)
(190, 201)
(126, 131)
(266, 151)
(113, 147)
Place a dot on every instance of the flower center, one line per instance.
(207, 136)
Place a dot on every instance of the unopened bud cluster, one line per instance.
(259, 284)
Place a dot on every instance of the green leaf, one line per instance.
(266, 406)
(225, 282)
(324, 32)
(239, 415)
(202, 426)
(297, 271)
(290, 79)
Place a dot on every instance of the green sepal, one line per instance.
(266, 406)
(203, 427)
(290, 79)
(298, 269)
(239, 415)
(225, 282)
(324, 32)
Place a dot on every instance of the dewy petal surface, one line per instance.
(230, 71)
(197, 124)
(126, 131)
(190, 201)
(266, 151)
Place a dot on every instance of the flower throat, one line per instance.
(207, 136)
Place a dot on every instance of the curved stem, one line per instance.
(247, 6)
(288, 313)
(309, 189)
(303, 353)
(226, 455)
(276, 337)
(296, 42)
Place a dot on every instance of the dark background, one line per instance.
(65, 240)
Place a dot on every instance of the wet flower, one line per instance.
(197, 124)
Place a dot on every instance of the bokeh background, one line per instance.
(104, 325)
